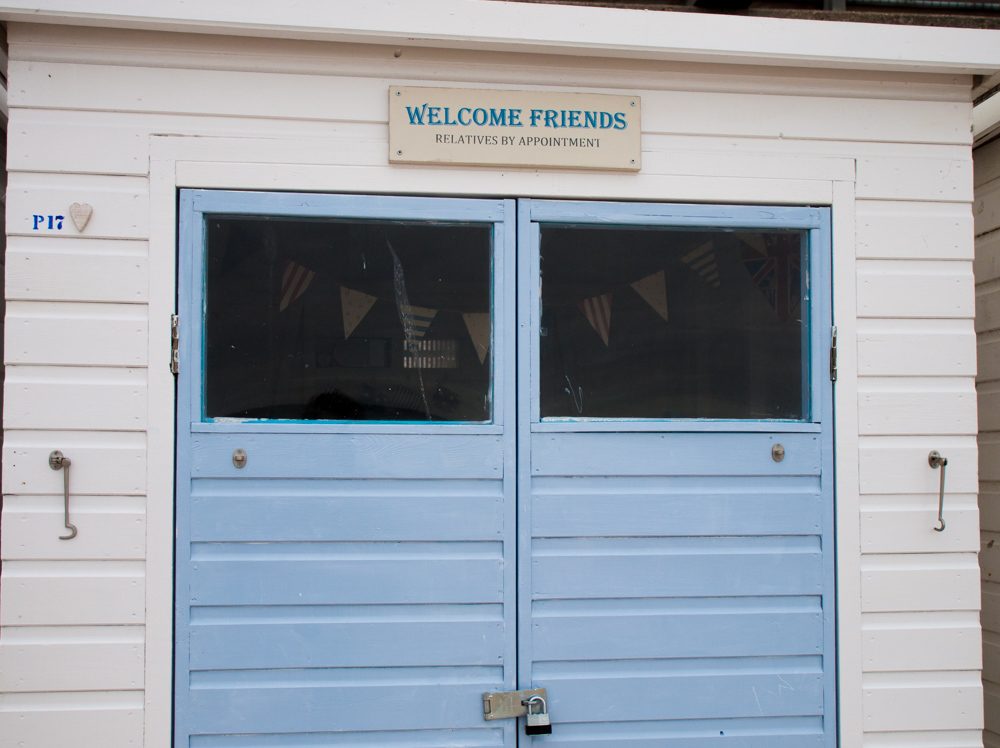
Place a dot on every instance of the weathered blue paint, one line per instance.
(362, 584)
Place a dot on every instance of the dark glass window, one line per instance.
(347, 320)
(672, 323)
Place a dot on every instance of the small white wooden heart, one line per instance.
(81, 213)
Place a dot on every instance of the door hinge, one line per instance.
(833, 355)
(175, 343)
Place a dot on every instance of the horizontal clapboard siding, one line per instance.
(904, 139)
(987, 269)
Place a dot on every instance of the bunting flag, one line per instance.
(417, 319)
(777, 273)
(653, 290)
(478, 325)
(354, 306)
(597, 310)
(702, 261)
(294, 283)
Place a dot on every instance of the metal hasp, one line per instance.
(509, 704)
(935, 460)
(59, 461)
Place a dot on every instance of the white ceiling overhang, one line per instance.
(548, 28)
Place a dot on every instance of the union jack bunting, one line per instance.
(777, 272)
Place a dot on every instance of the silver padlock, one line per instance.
(537, 722)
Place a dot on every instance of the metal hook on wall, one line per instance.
(58, 461)
(935, 460)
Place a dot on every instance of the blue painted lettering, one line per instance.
(416, 114)
(620, 123)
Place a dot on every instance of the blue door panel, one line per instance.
(362, 584)
(675, 580)
(746, 628)
(692, 505)
(330, 510)
(652, 454)
(344, 456)
(352, 584)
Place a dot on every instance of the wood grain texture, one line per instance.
(916, 348)
(987, 270)
(927, 701)
(986, 208)
(51, 43)
(65, 269)
(915, 179)
(914, 289)
(914, 230)
(94, 720)
(121, 205)
(76, 398)
(109, 528)
(894, 465)
(73, 334)
(925, 642)
(179, 90)
(101, 593)
(917, 406)
(988, 306)
(104, 463)
(920, 583)
(73, 658)
(987, 265)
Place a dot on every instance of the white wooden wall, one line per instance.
(987, 212)
(84, 646)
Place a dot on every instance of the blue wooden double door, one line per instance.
(429, 448)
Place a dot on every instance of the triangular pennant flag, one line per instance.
(417, 319)
(755, 241)
(294, 283)
(702, 261)
(653, 290)
(354, 306)
(597, 310)
(478, 325)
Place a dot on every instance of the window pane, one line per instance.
(672, 323)
(347, 320)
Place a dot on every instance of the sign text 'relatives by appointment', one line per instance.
(516, 128)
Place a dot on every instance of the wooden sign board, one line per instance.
(539, 129)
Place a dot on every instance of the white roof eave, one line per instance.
(548, 28)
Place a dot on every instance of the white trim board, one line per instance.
(550, 29)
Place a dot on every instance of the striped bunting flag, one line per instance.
(702, 261)
(597, 310)
(294, 283)
(417, 319)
